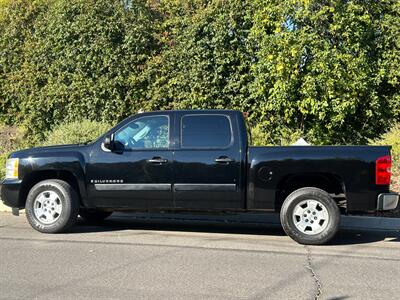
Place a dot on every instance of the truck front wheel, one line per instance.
(52, 206)
(310, 216)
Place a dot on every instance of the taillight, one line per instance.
(382, 170)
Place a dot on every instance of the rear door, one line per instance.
(207, 161)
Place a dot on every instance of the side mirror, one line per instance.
(109, 142)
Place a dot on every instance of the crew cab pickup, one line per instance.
(197, 160)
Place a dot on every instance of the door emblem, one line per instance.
(106, 181)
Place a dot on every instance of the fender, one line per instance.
(58, 160)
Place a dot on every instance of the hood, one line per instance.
(46, 149)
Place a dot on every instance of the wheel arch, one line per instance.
(331, 183)
(35, 177)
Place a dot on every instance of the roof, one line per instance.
(192, 111)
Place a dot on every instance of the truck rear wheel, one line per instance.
(310, 216)
(52, 206)
(94, 216)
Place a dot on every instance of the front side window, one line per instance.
(145, 133)
(206, 131)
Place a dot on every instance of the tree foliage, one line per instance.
(328, 70)
(319, 69)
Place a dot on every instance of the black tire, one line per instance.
(68, 198)
(289, 217)
(93, 216)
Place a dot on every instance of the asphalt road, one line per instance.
(152, 259)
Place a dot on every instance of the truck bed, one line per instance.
(272, 171)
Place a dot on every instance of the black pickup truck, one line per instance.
(197, 160)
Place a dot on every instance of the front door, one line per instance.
(207, 162)
(140, 175)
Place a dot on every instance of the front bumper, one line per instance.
(388, 201)
(9, 192)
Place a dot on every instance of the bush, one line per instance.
(392, 138)
(78, 132)
(3, 158)
(261, 136)
(11, 139)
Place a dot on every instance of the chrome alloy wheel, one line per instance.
(47, 207)
(310, 217)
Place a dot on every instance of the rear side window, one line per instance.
(206, 131)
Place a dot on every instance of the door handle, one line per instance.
(223, 160)
(157, 160)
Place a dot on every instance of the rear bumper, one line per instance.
(388, 201)
(9, 192)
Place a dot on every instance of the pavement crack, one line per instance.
(310, 267)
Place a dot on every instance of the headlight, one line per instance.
(12, 168)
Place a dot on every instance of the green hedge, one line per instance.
(66, 60)
(325, 70)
